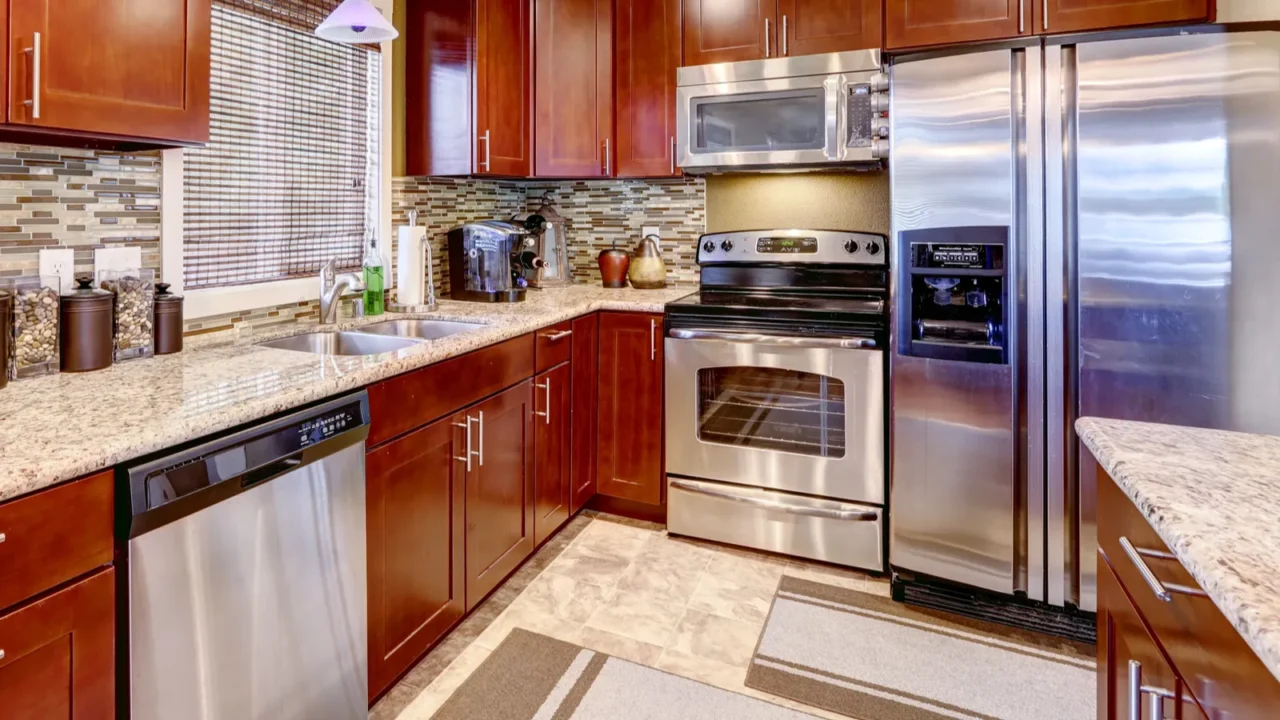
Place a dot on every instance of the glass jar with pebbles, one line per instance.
(134, 312)
(33, 342)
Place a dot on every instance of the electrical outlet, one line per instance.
(60, 262)
(648, 230)
(125, 258)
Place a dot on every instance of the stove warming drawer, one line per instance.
(825, 530)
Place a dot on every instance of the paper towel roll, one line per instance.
(411, 261)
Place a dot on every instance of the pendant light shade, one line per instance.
(356, 22)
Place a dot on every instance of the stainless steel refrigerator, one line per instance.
(1119, 196)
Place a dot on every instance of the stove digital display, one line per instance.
(787, 245)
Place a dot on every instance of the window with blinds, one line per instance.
(290, 176)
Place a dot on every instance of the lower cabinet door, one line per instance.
(415, 545)
(584, 362)
(59, 654)
(499, 496)
(629, 463)
(1135, 682)
(551, 422)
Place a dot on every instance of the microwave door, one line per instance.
(763, 122)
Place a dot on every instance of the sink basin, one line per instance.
(341, 343)
(424, 329)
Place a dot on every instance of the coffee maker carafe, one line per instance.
(485, 261)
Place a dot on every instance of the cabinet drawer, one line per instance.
(1220, 669)
(414, 399)
(55, 535)
(552, 345)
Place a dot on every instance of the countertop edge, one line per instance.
(1093, 433)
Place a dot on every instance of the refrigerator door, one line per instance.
(967, 468)
(1161, 236)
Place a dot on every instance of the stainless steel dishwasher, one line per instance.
(246, 573)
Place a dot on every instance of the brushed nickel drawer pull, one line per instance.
(546, 388)
(466, 456)
(558, 336)
(764, 504)
(34, 102)
(1162, 590)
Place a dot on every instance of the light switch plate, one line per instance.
(648, 230)
(125, 258)
(60, 262)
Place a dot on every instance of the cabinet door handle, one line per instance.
(481, 434)
(1045, 11)
(784, 35)
(466, 456)
(1162, 590)
(1022, 16)
(2, 538)
(766, 37)
(485, 138)
(34, 102)
(608, 164)
(653, 341)
(673, 154)
(546, 388)
(557, 336)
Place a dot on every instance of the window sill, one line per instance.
(239, 298)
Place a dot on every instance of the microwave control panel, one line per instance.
(860, 117)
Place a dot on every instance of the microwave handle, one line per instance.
(835, 88)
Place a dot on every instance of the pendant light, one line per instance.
(357, 22)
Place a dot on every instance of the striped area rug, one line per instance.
(534, 677)
(870, 658)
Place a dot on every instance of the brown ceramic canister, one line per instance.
(6, 335)
(168, 325)
(613, 266)
(85, 327)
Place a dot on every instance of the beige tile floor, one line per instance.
(693, 609)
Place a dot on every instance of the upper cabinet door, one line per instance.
(573, 120)
(1079, 15)
(504, 140)
(718, 31)
(918, 23)
(647, 33)
(133, 68)
(808, 27)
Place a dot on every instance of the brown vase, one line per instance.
(613, 267)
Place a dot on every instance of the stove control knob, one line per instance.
(708, 247)
(873, 248)
(851, 246)
(726, 245)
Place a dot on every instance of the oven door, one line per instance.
(803, 415)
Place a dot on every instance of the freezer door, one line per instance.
(967, 438)
(1167, 250)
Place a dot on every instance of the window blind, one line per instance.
(290, 176)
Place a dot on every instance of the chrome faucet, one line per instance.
(332, 286)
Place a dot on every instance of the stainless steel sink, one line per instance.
(425, 329)
(341, 343)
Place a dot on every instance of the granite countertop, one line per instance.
(1214, 498)
(62, 426)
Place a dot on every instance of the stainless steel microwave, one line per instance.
(807, 112)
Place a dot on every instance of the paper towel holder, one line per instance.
(430, 304)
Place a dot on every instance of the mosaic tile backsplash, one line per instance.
(80, 199)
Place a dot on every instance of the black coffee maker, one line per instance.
(956, 305)
(490, 261)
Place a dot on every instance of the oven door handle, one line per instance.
(826, 513)
(781, 340)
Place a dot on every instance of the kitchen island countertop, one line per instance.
(1213, 496)
(63, 426)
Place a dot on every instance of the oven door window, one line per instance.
(772, 409)
(760, 122)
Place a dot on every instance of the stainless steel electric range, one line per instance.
(776, 395)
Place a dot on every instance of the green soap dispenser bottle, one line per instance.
(373, 280)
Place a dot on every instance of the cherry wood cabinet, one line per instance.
(586, 391)
(504, 92)
(919, 23)
(573, 88)
(552, 420)
(132, 68)
(439, 47)
(1080, 15)
(59, 654)
(647, 37)
(499, 489)
(415, 549)
(808, 27)
(1199, 656)
(718, 31)
(629, 462)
